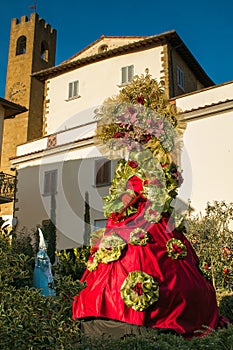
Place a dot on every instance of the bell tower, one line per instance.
(32, 48)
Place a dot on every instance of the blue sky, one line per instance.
(206, 27)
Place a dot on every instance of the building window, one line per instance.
(102, 172)
(44, 51)
(73, 90)
(50, 182)
(103, 48)
(127, 74)
(180, 78)
(21, 45)
(99, 223)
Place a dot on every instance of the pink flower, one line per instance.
(156, 182)
(177, 175)
(159, 128)
(130, 115)
(152, 212)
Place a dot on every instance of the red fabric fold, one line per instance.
(187, 300)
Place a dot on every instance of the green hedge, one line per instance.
(29, 320)
(221, 340)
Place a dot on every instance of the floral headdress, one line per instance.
(140, 116)
(141, 124)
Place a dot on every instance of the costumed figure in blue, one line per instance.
(43, 278)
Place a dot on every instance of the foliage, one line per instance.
(49, 232)
(72, 262)
(87, 220)
(154, 340)
(149, 92)
(22, 243)
(29, 320)
(225, 303)
(212, 239)
(15, 269)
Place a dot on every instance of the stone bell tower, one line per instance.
(32, 48)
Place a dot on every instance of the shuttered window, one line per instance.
(180, 78)
(50, 182)
(127, 74)
(100, 223)
(73, 90)
(102, 172)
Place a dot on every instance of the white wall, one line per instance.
(207, 161)
(97, 81)
(111, 42)
(206, 97)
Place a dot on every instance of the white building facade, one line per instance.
(60, 176)
(207, 158)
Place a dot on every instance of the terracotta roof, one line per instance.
(170, 37)
(98, 40)
(11, 108)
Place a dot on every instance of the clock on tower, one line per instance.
(17, 91)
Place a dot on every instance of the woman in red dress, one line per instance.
(142, 270)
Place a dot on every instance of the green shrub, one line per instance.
(49, 232)
(225, 303)
(72, 262)
(15, 269)
(22, 243)
(29, 320)
(153, 340)
(212, 240)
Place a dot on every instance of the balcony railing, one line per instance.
(7, 187)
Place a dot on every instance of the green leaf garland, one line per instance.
(176, 249)
(139, 290)
(110, 249)
(138, 236)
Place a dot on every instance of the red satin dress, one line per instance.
(186, 301)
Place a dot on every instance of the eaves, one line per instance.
(170, 37)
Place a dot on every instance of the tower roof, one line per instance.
(11, 108)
